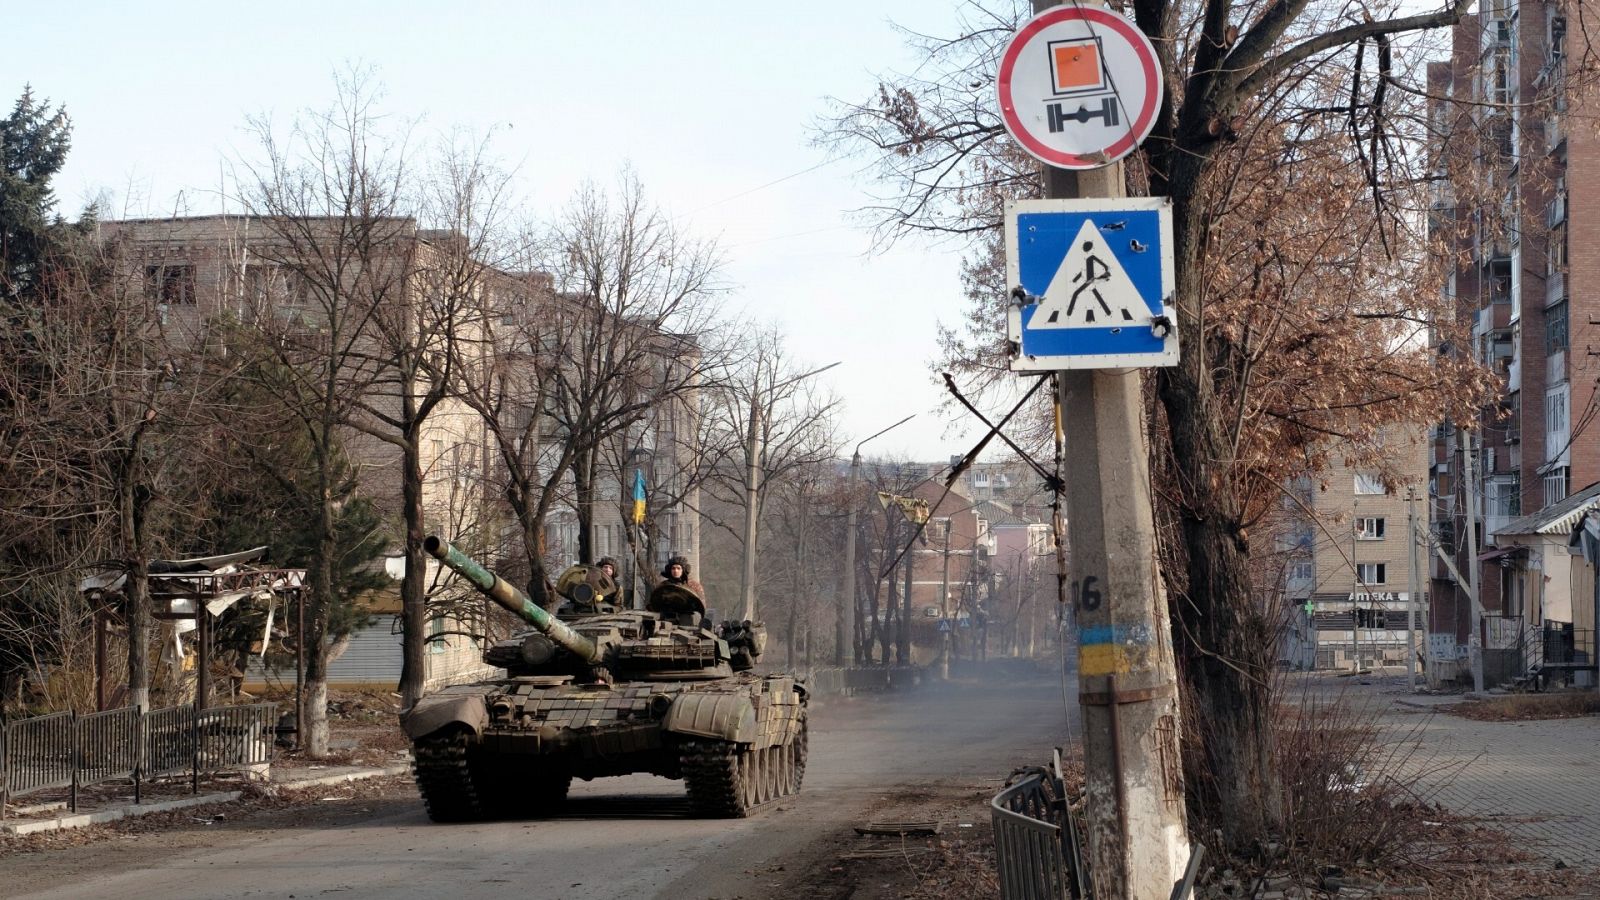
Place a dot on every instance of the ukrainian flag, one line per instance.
(638, 496)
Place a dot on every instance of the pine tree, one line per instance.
(34, 141)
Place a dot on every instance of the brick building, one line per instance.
(1515, 139)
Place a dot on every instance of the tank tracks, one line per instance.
(726, 781)
(457, 787)
(444, 777)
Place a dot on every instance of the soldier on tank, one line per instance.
(678, 594)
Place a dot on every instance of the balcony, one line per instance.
(1555, 367)
(1555, 287)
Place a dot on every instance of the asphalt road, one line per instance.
(620, 838)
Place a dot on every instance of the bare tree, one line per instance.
(782, 424)
(330, 260)
(639, 302)
(416, 327)
(604, 327)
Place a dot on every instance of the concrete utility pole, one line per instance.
(1412, 581)
(752, 505)
(1355, 580)
(845, 633)
(944, 606)
(902, 643)
(1469, 474)
(1138, 836)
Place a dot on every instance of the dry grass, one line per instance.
(1529, 707)
(1360, 811)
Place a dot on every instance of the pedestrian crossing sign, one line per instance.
(1091, 284)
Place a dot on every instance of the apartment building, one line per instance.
(1516, 195)
(1345, 542)
(201, 268)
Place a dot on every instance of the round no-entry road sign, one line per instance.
(1079, 87)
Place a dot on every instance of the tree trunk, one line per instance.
(531, 521)
(136, 590)
(321, 593)
(317, 716)
(583, 496)
(1222, 641)
(413, 597)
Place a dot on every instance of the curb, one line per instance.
(299, 783)
(82, 820)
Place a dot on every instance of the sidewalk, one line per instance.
(46, 817)
(1538, 780)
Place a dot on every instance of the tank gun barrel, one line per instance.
(504, 593)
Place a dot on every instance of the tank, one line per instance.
(593, 691)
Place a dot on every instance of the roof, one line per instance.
(1558, 518)
(999, 515)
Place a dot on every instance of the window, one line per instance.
(1301, 574)
(1302, 535)
(938, 530)
(1556, 251)
(1369, 528)
(1556, 421)
(1500, 280)
(172, 285)
(436, 639)
(1555, 328)
(1555, 485)
(1371, 618)
(1369, 484)
(1372, 573)
(1500, 67)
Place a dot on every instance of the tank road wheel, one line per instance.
(750, 782)
(786, 769)
(717, 775)
(777, 780)
(767, 775)
(444, 776)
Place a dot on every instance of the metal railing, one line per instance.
(108, 745)
(1037, 845)
(1036, 840)
(38, 754)
(66, 750)
(234, 737)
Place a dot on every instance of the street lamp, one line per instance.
(752, 449)
(845, 635)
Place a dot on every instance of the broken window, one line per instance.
(171, 285)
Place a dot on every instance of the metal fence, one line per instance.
(831, 680)
(108, 745)
(234, 737)
(1036, 841)
(38, 754)
(1037, 846)
(66, 750)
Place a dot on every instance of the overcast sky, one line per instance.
(710, 102)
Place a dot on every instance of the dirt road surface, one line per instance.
(620, 838)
